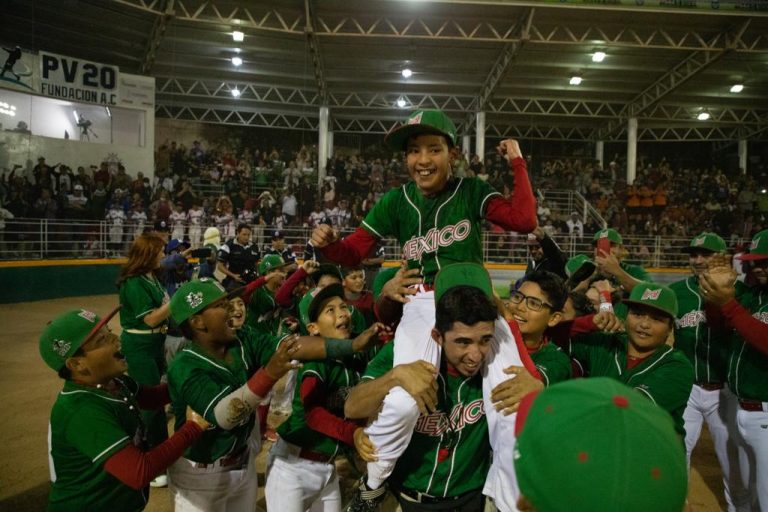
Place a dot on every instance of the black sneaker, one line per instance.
(365, 499)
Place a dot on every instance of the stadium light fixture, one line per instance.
(237, 61)
(598, 57)
(703, 116)
(235, 92)
(737, 88)
(401, 103)
(407, 73)
(238, 36)
(575, 80)
(74, 114)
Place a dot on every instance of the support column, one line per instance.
(743, 156)
(631, 150)
(480, 135)
(322, 145)
(330, 144)
(466, 142)
(599, 150)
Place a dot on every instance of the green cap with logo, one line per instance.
(67, 333)
(271, 262)
(655, 296)
(706, 242)
(422, 122)
(457, 274)
(758, 248)
(611, 234)
(606, 446)
(309, 306)
(193, 297)
(579, 268)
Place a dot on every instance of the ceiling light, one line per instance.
(235, 92)
(237, 36)
(703, 116)
(575, 80)
(598, 57)
(401, 103)
(407, 73)
(737, 88)
(74, 114)
(237, 61)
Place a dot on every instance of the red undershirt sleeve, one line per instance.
(750, 328)
(523, 350)
(350, 251)
(153, 397)
(564, 331)
(284, 293)
(319, 418)
(136, 468)
(518, 213)
(251, 287)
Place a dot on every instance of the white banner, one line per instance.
(82, 81)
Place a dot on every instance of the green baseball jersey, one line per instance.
(263, 311)
(200, 380)
(747, 366)
(88, 426)
(337, 379)
(666, 376)
(449, 453)
(635, 271)
(138, 296)
(705, 348)
(434, 231)
(553, 364)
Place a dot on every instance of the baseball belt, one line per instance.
(420, 497)
(710, 386)
(228, 460)
(753, 405)
(157, 330)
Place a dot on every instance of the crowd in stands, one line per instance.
(196, 187)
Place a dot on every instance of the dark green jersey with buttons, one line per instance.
(199, 380)
(705, 348)
(449, 453)
(553, 364)
(434, 231)
(748, 367)
(336, 379)
(666, 376)
(88, 426)
(138, 296)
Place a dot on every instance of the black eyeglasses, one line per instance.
(531, 303)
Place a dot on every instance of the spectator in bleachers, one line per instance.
(575, 226)
(290, 207)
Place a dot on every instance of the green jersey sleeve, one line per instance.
(201, 391)
(258, 345)
(96, 432)
(586, 347)
(553, 364)
(636, 271)
(480, 192)
(669, 385)
(382, 363)
(381, 221)
(138, 297)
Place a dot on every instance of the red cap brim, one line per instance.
(104, 321)
(522, 412)
(752, 257)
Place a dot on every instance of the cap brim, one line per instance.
(583, 272)
(753, 257)
(691, 249)
(104, 321)
(397, 138)
(332, 290)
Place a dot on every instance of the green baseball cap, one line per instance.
(309, 306)
(63, 336)
(706, 242)
(758, 248)
(579, 268)
(655, 296)
(193, 297)
(326, 269)
(609, 233)
(271, 262)
(422, 121)
(608, 448)
(457, 274)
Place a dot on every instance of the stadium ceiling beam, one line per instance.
(156, 36)
(314, 51)
(229, 116)
(670, 81)
(447, 29)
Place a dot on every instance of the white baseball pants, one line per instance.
(297, 485)
(753, 453)
(715, 408)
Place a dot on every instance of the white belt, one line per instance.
(156, 330)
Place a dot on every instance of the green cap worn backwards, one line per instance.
(422, 122)
(457, 274)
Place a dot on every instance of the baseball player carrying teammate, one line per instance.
(745, 309)
(707, 350)
(99, 457)
(301, 474)
(438, 220)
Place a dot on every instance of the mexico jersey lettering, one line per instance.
(434, 231)
(438, 423)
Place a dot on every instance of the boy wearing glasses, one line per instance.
(641, 358)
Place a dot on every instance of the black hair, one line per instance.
(186, 329)
(326, 269)
(345, 271)
(466, 304)
(65, 373)
(242, 226)
(552, 286)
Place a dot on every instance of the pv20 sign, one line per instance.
(78, 80)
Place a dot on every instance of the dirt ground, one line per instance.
(28, 389)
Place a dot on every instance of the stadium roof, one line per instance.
(511, 59)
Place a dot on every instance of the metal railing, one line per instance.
(34, 239)
(567, 201)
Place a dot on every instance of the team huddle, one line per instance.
(583, 388)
